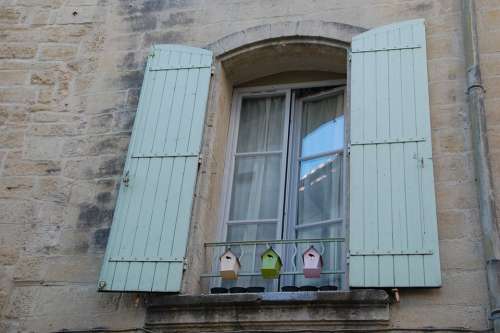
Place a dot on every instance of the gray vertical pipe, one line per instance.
(477, 115)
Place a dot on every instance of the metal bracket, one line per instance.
(391, 252)
(386, 141)
(126, 179)
(165, 155)
(147, 259)
(102, 285)
(390, 48)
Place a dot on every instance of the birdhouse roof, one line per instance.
(270, 250)
(230, 253)
(312, 249)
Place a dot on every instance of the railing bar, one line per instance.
(284, 241)
(283, 273)
(314, 224)
(258, 153)
(252, 221)
(326, 153)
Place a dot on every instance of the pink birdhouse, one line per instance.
(229, 266)
(312, 263)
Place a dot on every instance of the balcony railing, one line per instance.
(332, 251)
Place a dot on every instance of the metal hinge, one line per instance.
(212, 70)
(102, 285)
(126, 179)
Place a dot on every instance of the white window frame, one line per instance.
(284, 222)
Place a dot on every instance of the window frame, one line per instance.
(290, 220)
(283, 226)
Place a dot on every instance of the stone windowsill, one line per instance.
(272, 310)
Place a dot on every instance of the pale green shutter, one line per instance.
(393, 225)
(149, 234)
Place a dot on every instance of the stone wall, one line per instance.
(70, 72)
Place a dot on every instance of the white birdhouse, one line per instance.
(313, 263)
(229, 266)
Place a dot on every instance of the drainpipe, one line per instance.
(487, 214)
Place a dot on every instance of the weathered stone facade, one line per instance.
(70, 73)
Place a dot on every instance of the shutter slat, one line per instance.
(153, 212)
(392, 193)
(386, 263)
(356, 226)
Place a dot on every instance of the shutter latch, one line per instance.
(126, 179)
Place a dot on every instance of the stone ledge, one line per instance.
(275, 310)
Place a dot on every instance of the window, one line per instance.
(285, 179)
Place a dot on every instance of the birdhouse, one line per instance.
(229, 266)
(312, 263)
(271, 264)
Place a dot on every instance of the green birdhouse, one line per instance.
(271, 264)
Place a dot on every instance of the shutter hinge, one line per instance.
(126, 179)
(200, 158)
(102, 285)
(212, 70)
(347, 258)
(349, 55)
(152, 54)
(184, 264)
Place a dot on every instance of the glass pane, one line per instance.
(249, 255)
(322, 126)
(261, 124)
(256, 187)
(320, 187)
(331, 254)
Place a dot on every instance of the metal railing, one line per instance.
(332, 251)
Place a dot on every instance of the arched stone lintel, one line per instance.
(335, 33)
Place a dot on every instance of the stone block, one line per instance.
(456, 196)
(17, 51)
(42, 148)
(40, 17)
(53, 52)
(79, 14)
(461, 254)
(52, 189)
(45, 95)
(16, 187)
(94, 167)
(8, 255)
(458, 224)
(73, 269)
(13, 78)
(11, 138)
(30, 268)
(453, 167)
(100, 123)
(48, 77)
(450, 141)
(449, 116)
(22, 302)
(15, 165)
(109, 144)
(11, 15)
(17, 95)
(15, 212)
(58, 130)
(82, 191)
(406, 315)
(60, 300)
(444, 46)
